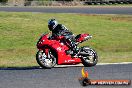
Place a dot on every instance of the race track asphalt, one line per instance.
(61, 77)
(84, 10)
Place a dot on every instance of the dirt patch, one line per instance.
(90, 15)
(110, 17)
(126, 19)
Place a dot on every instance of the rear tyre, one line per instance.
(91, 58)
(46, 60)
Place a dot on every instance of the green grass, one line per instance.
(19, 32)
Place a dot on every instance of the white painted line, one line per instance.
(80, 65)
(114, 63)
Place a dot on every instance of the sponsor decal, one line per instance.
(85, 81)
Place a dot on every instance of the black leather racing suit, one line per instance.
(61, 30)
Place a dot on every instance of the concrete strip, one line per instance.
(69, 6)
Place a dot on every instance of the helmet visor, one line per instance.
(50, 27)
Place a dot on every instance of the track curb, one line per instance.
(81, 65)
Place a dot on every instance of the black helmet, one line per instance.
(52, 23)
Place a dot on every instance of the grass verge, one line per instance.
(19, 33)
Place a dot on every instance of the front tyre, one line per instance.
(46, 59)
(91, 58)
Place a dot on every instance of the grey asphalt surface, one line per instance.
(84, 10)
(61, 77)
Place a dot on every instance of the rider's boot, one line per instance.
(73, 48)
(76, 50)
(73, 51)
(69, 52)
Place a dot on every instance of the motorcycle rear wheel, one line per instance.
(91, 59)
(46, 61)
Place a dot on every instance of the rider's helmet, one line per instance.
(52, 23)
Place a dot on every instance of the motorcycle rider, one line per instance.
(61, 30)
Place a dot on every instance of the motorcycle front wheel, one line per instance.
(46, 59)
(91, 58)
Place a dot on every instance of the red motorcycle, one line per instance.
(53, 50)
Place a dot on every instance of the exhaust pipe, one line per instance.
(83, 53)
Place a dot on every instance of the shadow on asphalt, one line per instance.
(34, 67)
(20, 68)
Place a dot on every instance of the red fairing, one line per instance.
(60, 49)
(82, 37)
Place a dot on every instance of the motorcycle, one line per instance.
(53, 50)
